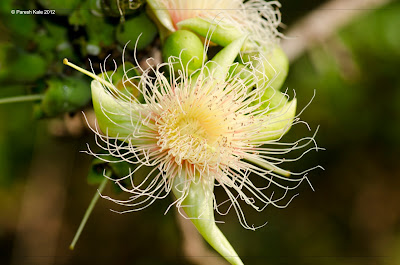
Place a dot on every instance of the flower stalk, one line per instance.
(88, 212)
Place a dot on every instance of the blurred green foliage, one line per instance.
(32, 47)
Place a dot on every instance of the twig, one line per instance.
(323, 22)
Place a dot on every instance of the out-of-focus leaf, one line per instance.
(120, 8)
(131, 29)
(62, 7)
(22, 67)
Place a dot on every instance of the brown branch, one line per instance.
(323, 22)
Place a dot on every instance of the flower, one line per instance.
(198, 131)
(222, 22)
(231, 19)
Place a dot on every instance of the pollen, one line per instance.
(196, 130)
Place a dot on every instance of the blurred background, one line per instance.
(352, 217)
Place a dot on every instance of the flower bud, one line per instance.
(65, 95)
(188, 47)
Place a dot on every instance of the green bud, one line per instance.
(131, 29)
(65, 96)
(24, 67)
(188, 47)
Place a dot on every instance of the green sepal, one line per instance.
(198, 206)
(270, 76)
(114, 116)
(278, 121)
(220, 64)
(123, 80)
(221, 35)
(274, 65)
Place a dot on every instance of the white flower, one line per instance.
(201, 127)
(258, 19)
(214, 127)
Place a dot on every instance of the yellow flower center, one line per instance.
(194, 131)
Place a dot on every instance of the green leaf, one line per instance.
(131, 29)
